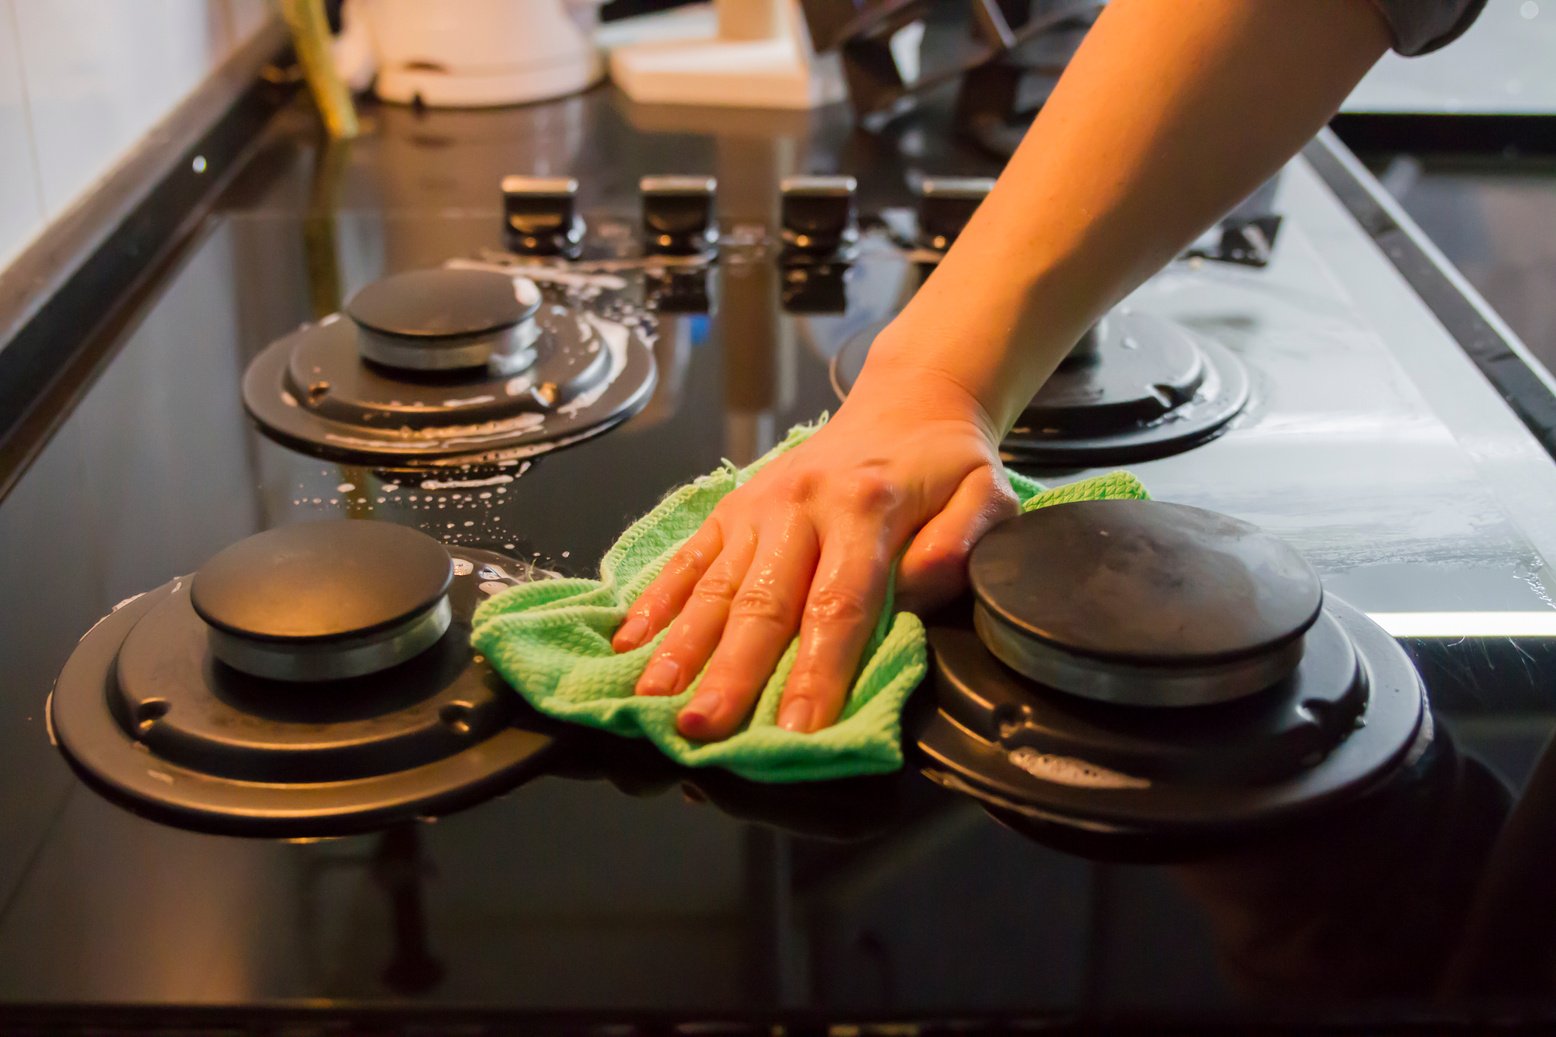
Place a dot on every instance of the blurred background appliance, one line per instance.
(731, 54)
(1005, 56)
(471, 53)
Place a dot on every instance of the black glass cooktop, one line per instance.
(615, 890)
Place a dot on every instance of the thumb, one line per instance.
(933, 569)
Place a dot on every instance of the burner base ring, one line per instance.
(1219, 396)
(285, 419)
(96, 742)
(1395, 723)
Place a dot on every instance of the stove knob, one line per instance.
(945, 204)
(677, 289)
(541, 214)
(820, 215)
(678, 214)
(816, 288)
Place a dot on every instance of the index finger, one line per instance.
(662, 600)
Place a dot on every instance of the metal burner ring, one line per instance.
(1133, 685)
(333, 660)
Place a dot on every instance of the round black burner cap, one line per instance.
(441, 303)
(148, 712)
(319, 581)
(1102, 598)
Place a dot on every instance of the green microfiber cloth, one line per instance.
(551, 641)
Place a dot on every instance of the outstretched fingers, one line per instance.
(840, 613)
(662, 600)
(763, 616)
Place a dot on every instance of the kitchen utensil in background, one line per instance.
(472, 53)
(732, 54)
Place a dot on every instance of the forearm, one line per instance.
(1170, 113)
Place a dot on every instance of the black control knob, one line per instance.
(819, 288)
(542, 215)
(820, 215)
(678, 214)
(945, 204)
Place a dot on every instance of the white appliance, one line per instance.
(730, 54)
(473, 53)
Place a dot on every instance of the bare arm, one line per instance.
(1171, 113)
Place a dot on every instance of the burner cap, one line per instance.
(439, 367)
(1086, 616)
(444, 319)
(324, 600)
(1128, 371)
(443, 303)
(1138, 386)
(1142, 602)
(151, 709)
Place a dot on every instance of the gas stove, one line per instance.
(690, 290)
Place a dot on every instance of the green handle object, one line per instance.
(311, 38)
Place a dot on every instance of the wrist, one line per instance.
(897, 380)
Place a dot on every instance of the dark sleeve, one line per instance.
(1419, 26)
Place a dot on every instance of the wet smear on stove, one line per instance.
(455, 508)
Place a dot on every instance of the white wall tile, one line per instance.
(100, 73)
(21, 198)
(246, 17)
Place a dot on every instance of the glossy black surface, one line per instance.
(601, 891)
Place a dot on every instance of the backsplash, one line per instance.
(81, 81)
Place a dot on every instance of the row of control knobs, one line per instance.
(819, 215)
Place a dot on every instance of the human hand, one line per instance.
(807, 545)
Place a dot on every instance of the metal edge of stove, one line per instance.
(1485, 338)
(115, 241)
(410, 1018)
(1458, 134)
(1521, 647)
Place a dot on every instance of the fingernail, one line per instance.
(631, 633)
(796, 715)
(696, 720)
(659, 677)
